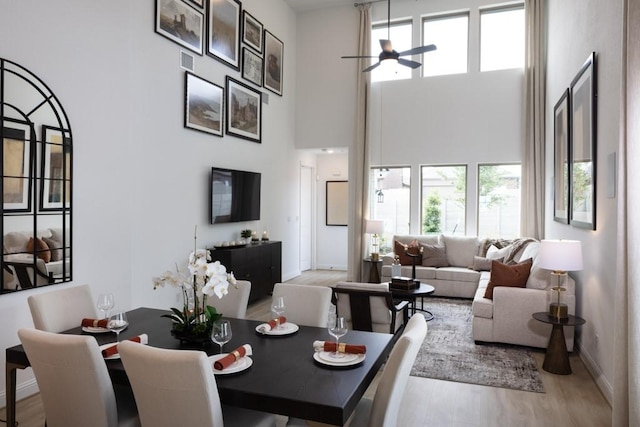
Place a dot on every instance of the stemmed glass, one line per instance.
(221, 332)
(117, 323)
(105, 304)
(277, 307)
(337, 327)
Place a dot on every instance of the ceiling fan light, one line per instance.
(389, 64)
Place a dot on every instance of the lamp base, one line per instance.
(375, 256)
(559, 310)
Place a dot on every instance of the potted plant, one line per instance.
(246, 235)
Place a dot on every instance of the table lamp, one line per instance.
(560, 256)
(376, 228)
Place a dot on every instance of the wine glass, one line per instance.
(117, 323)
(337, 327)
(221, 332)
(105, 304)
(277, 307)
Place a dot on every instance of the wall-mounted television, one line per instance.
(235, 195)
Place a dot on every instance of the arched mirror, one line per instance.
(36, 182)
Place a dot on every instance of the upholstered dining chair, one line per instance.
(305, 304)
(62, 309)
(74, 383)
(178, 388)
(235, 303)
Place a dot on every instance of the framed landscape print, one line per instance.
(244, 111)
(582, 152)
(252, 32)
(204, 105)
(251, 67)
(561, 159)
(55, 189)
(180, 23)
(273, 56)
(223, 34)
(16, 190)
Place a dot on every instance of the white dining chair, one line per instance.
(74, 383)
(62, 309)
(304, 304)
(234, 303)
(178, 388)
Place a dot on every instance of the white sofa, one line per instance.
(506, 318)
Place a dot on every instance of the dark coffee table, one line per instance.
(411, 295)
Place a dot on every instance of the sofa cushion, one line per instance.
(55, 247)
(433, 255)
(483, 264)
(539, 278)
(482, 307)
(461, 249)
(458, 274)
(399, 249)
(16, 242)
(40, 247)
(508, 275)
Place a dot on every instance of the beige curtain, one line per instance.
(359, 154)
(626, 381)
(532, 206)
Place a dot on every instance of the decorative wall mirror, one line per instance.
(36, 181)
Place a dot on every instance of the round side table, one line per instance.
(412, 294)
(556, 359)
(374, 271)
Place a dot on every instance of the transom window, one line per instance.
(450, 34)
(502, 38)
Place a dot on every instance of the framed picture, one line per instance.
(582, 152)
(251, 67)
(252, 31)
(561, 159)
(55, 187)
(180, 23)
(199, 3)
(203, 105)
(244, 111)
(273, 56)
(337, 202)
(223, 39)
(17, 140)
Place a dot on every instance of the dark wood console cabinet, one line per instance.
(260, 264)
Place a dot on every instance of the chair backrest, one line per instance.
(171, 387)
(234, 304)
(366, 306)
(61, 309)
(388, 397)
(72, 377)
(305, 304)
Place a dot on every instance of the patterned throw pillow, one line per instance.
(399, 249)
(434, 255)
(514, 276)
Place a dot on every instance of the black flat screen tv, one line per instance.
(234, 195)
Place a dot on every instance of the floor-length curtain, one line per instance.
(626, 381)
(533, 157)
(359, 154)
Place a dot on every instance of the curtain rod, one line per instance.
(367, 2)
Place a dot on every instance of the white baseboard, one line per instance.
(601, 381)
(25, 389)
(332, 267)
(290, 275)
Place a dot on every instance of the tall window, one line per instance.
(502, 38)
(450, 34)
(444, 190)
(499, 200)
(390, 200)
(400, 35)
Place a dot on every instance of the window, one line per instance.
(390, 193)
(444, 190)
(502, 38)
(499, 200)
(450, 34)
(400, 35)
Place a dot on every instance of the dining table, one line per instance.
(284, 378)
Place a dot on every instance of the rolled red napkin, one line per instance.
(95, 323)
(112, 350)
(244, 350)
(342, 347)
(273, 323)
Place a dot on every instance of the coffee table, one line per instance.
(412, 294)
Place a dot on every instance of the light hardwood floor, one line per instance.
(570, 400)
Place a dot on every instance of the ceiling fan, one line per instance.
(388, 53)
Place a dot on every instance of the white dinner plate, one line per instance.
(328, 356)
(288, 328)
(115, 356)
(94, 330)
(326, 359)
(237, 366)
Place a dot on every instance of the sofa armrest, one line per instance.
(387, 259)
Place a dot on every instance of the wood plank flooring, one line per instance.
(570, 400)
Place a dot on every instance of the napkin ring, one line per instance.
(95, 323)
(342, 348)
(236, 354)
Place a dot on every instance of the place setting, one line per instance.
(228, 363)
(105, 304)
(278, 325)
(336, 354)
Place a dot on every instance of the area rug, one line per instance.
(449, 352)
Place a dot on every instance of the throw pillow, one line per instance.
(483, 264)
(514, 276)
(55, 247)
(41, 249)
(495, 253)
(399, 249)
(461, 249)
(433, 255)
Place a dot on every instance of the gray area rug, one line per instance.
(449, 352)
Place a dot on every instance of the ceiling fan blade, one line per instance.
(356, 56)
(408, 63)
(418, 50)
(366, 70)
(386, 45)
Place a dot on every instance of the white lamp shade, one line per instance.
(374, 226)
(560, 255)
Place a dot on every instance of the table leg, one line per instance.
(556, 359)
(374, 274)
(10, 382)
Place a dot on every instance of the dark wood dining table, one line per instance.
(284, 378)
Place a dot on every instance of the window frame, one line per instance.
(375, 43)
(478, 166)
(506, 7)
(421, 194)
(442, 16)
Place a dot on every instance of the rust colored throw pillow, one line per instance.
(514, 276)
(399, 249)
(434, 255)
(42, 250)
